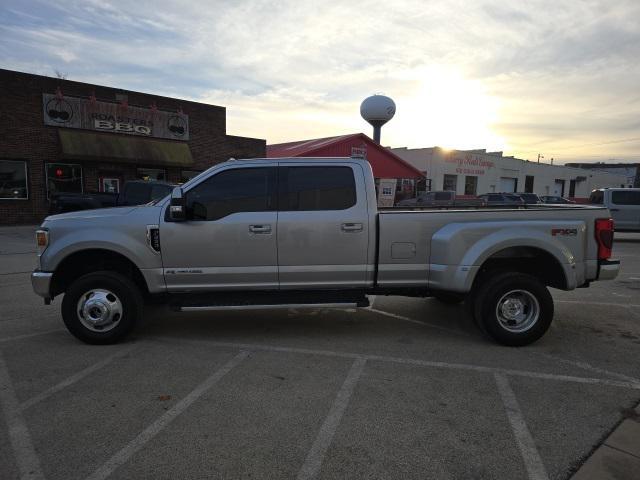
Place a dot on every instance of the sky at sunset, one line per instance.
(560, 78)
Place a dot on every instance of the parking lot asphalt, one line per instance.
(405, 389)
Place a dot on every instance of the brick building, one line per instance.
(66, 136)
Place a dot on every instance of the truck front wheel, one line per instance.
(513, 308)
(102, 307)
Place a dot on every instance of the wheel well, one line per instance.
(530, 260)
(87, 261)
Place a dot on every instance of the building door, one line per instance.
(528, 184)
(508, 184)
(229, 238)
(558, 188)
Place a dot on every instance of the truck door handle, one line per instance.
(351, 227)
(260, 228)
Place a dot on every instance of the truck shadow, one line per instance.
(353, 328)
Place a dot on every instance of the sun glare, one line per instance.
(451, 111)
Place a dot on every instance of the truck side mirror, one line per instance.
(178, 205)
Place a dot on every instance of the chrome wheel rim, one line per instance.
(517, 311)
(99, 310)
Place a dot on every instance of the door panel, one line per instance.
(229, 239)
(625, 208)
(323, 227)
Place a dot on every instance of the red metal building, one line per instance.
(384, 163)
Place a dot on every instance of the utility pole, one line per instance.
(539, 157)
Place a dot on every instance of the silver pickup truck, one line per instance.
(268, 233)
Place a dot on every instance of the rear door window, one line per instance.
(629, 197)
(316, 188)
(443, 196)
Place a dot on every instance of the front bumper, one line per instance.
(41, 282)
(608, 269)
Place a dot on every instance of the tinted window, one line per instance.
(495, 198)
(597, 197)
(443, 196)
(630, 197)
(232, 191)
(159, 191)
(136, 194)
(317, 188)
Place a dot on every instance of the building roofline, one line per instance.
(116, 89)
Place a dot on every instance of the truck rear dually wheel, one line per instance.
(513, 308)
(102, 307)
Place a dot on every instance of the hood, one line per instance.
(97, 213)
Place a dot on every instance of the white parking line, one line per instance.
(587, 366)
(600, 304)
(29, 335)
(73, 379)
(526, 445)
(316, 455)
(418, 322)
(25, 455)
(156, 427)
(422, 363)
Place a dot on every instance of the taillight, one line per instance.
(604, 237)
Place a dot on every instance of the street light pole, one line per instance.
(539, 157)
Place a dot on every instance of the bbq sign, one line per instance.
(91, 114)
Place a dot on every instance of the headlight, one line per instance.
(42, 241)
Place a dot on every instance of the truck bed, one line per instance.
(443, 247)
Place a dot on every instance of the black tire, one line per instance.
(449, 298)
(487, 302)
(126, 293)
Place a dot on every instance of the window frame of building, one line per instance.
(151, 169)
(270, 195)
(387, 191)
(26, 179)
(285, 195)
(450, 177)
(46, 174)
(473, 184)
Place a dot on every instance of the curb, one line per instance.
(619, 455)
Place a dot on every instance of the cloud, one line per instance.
(470, 74)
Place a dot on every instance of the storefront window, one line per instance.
(450, 183)
(152, 174)
(13, 180)
(186, 175)
(470, 185)
(63, 177)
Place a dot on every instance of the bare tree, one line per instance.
(60, 75)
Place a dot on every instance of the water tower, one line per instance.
(377, 110)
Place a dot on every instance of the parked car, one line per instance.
(624, 205)
(134, 192)
(268, 233)
(555, 199)
(504, 199)
(445, 198)
(529, 198)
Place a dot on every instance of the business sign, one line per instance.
(469, 164)
(91, 114)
